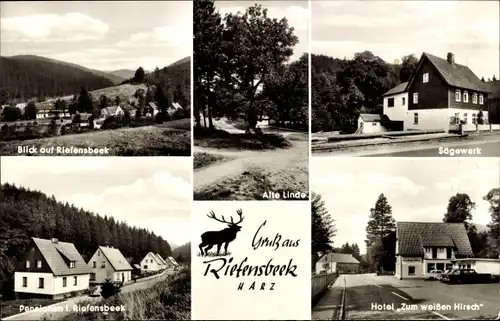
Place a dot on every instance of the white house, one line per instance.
(396, 102)
(173, 263)
(491, 266)
(422, 247)
(51, 269)
(337, 263)
(112, 111)
(151, 263)
(163, 264)
(109, 263)
(371, 123)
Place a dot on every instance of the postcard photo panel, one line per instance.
(251, 110)
(251, 260)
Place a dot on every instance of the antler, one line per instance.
(240, 213)
(212, 215)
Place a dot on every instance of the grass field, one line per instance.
(224, 140)
(168, 139)
(167, 300)
(124, 91)
(11, 307)
(204, 159)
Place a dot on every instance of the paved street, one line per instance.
(368, 296)
(61, 309)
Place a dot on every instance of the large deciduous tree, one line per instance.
(493, 197)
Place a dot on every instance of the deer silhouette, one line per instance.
(225, 236)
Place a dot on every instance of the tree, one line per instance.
(162, 100)
(85, 104)
(480, 117)
(30, 110)
(494, 78)
(323, 226)
(482, 79)
(139, 76)
(408, 67)
(117, 100)
(459, 209)
(103, 102)
(493, 197)
(12, 113)
(381, 222)
(109, 289)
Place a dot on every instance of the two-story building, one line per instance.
(109, 263)
(337, 263)
(151, 263)
(52, 269)
(422, 247)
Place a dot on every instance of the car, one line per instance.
(466, 276)
(433, 275)
(95, 291)
(440, 277)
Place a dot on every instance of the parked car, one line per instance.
(466, 276)
(433, 275)
(95, 291)
(440, 277)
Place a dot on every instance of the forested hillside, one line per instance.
(183, 253)
(28, 214)
(25, 77)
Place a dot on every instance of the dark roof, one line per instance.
(115, 258)
(58, 255)
(339, 258)
(457, 75)
(374, 117)
(413, 236)
(396, 90)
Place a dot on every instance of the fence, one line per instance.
(480, 127)
(319, 284)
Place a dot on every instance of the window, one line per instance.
(465, 118)
(457, 95)
(468, 266)
(434, 253)
(481, 99)
(415, 119)
(474, 119)
(430, 266)
(103, 264)
(390, 102)
(403, 101)
(27, 264)
(474, 98)
(411, 270)
(145, 267)
(98, 253)
(449, 266)
(440, 266)
(457, 118)
(466, 97)
(415, 98)
(75, 280)
(92, 276)
(94, 264)
(64, 282)
(374, 124)
(426, 77)
(72, 264)
(39, 263)
(448, 253)
(40, 283)
(25, 281)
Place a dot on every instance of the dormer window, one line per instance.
(474, 98)
(458, 95)
(415, 98)
(72, 264)
(27, 264)
(426, 77)
(481, 99)
(39, 264)
(466, 97)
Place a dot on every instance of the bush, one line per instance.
(109, 289)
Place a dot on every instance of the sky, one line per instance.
(418, 189)
(149, 192)
(393, 29)
(102, 35)
(296, 12)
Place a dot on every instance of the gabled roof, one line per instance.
(137, 266)
(115, 258)
(58, 255)
(110, 110)
(373, 117)
(398, 89)
(153, 256)
(455, 75)
(162, 261)
(176, 106)
(338, 258)
(153, 105)
(413, 236)
(172, 260)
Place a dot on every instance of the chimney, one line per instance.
(54, 240)
(450, 58)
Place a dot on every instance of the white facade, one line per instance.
(408, 267)
(366, 127)
(400, 109)
(150, 263)
(52, 285)
(102, 269)
(491, 266)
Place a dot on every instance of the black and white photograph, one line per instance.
(101, 238)
(405, 238)
(405, 78)
(251, 110)
(95, 78)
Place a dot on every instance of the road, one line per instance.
(473, 145)
(61, 309)
(372, 297)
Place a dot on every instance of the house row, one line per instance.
(440, 95)
(56, 269)
(154, 262)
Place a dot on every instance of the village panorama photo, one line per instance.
(405, 238)
(405, 78)
(250, 86)
(83, 236)
(95, 78)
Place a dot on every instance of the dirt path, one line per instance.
(276, 160)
